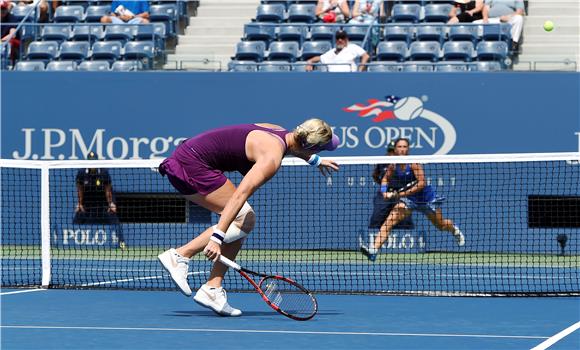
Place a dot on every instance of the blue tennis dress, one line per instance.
(425, 201)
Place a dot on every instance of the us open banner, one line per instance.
(56, 115)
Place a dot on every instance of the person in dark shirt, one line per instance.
(8, 29)
(95, 199)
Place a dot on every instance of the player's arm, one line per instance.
(421, 183)
(109, 196)
(80, 197)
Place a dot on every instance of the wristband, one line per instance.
(315, 160)
(217, 235)
(384, 188)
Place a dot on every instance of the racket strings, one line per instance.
(288, 297)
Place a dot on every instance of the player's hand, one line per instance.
(391, 195)
(309, 68)
(504, 19)
(212, 251)
(112, 208)
(80, 208)
(327, 167)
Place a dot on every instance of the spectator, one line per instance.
(469, 11)
(332, 11)
(9, 24)
(95, 199)
(131, 12)
(342, 58)
(505, 11)
(366, 11)
(42, 7)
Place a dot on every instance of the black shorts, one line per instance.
(381, 209)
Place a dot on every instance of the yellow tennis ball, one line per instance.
(548, 26)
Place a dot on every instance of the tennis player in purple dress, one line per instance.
(196, 169)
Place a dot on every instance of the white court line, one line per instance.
(557, 337)
(24, 291)
(135, 279)
(278, 332)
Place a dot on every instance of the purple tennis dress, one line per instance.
(199, 163)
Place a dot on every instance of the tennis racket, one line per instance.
(404, 188)
(282, 294)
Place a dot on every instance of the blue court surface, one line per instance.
(114, 319)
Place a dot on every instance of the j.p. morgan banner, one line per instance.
(57, 115)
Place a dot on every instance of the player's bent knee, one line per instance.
(242, 225)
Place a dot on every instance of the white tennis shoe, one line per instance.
(177, 266)
(459, 237)
(215, 299)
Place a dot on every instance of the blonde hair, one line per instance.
(313, 132)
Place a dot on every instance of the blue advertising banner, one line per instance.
(57, 115)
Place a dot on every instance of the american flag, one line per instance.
(381, 110)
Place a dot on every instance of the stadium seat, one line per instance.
(165, 13)
(94, 66)
(425, 50)
(138, 50)
(406, 13)
(270, 13)
(127, 66)
(120, 32)
(250, 51)
(55, 32)
(74, 50)
(417, 67)
(497, 32)
(464, 33)
(437, 12)
(322, 33)
(431, 33)
(22, 12)
(259, 32)
(283, 51)
(83, 32)
(63, 66)
(458, 50)
(492, 50)
(154, 32)
(107, 50)
(451, 68)
(299, 66)
(489, 66)
(274, 67)
(302, 13)
(68, 14)
(392, 51)
(242, 66)
(29, 66)
(315, 48)
(398, 33)
(42, 50)
(384, 67)
(94, 13)
(292, 33)
(356, 32)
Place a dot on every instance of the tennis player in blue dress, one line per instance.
(420, 197)
(196, 169)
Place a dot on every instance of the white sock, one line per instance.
(456, 230)
(373, 250)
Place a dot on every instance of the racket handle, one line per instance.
(229, 263)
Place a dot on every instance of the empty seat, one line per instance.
(489, 66)
(242, 66)
(458, 50)
(274, 67)
(107, 50)
(94, 13)
(120, 32)
(29, 66)
(464, 33)
(55, 32)
(497, 32)
(270, 13)
(94, 66)
(83, 32)
(259, 32)
(166, 13)
(392, 51)
(137, 50)
(398, 33)
(406, 13)
(431, 33)
(22, 12)
(437, 12)
(250, 51)
(302, 13)
(74, 50)
(42, 50)
(69, 14)
(127, 66)
(425, 50)
(322, 33)
(315, 48)
(417, 67)
(492, 50)
(152, 31)
(452, 68)
(283, 50)
(292, 33)
(356, 32)
(62, 66)
(384, 67)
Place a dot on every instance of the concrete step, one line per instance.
(225, 11)
(218, 21)
(192, 49)
(558, 21)
(228, 2)
(545, 66)
(549, 48)
(549, 58)
(198, 62)
(558, 30)
(208, 39)
(229, 30)
(548, 37)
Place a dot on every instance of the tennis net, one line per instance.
(520, 215)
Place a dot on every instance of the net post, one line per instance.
(45, 224)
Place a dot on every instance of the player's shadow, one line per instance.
(204, 313)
